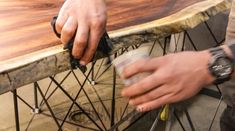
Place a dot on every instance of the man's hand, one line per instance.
(85, 18)
(174, 77)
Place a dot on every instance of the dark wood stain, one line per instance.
(25, 24)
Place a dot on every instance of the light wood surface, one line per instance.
(30, 51)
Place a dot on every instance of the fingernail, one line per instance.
(140, 108)
(83, 63)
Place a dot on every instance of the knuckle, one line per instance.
(59, 24)
(139, 64)
(82, 37)
(139, 67)
(126, 72)
(96, 25)
(67, 31)
(81, 42)
(134, 101)
(98, 22)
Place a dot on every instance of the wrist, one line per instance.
(205, 57)
(228, 51)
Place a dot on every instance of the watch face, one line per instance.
(222, 67)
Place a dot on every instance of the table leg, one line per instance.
(36, 109)
(218, 43)
(155, 123)
(113, 98)
(189, 120)
(93, 74)
(49, 107)
(177, 42)
(171, 119)
(17, 123)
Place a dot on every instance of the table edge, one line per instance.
(49, 63)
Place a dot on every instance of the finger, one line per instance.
(61, 20)
(80, 41)
(143, 86)
(142, 65)
(154, 104)
(68, 30)
(149, 96)
(94, 39)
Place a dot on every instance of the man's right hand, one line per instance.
(85, 18)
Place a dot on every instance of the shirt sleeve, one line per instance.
(230, 34)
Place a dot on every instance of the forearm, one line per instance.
(230, 34)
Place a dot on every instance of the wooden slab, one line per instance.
(25, 24)
(30, 51)
(126, 13)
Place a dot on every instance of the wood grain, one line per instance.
(125, 13)
(25, 24)
(29, 51)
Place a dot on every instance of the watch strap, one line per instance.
(216, 50)
(232, 48)
(216, 53)
(221, 81)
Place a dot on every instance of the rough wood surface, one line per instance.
(30, 51)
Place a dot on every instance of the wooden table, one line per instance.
(29, 50)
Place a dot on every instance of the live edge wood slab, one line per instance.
(29, 51)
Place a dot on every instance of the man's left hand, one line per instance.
(173, 78)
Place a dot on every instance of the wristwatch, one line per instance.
(220, 65)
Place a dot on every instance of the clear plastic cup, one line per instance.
(130, 57)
